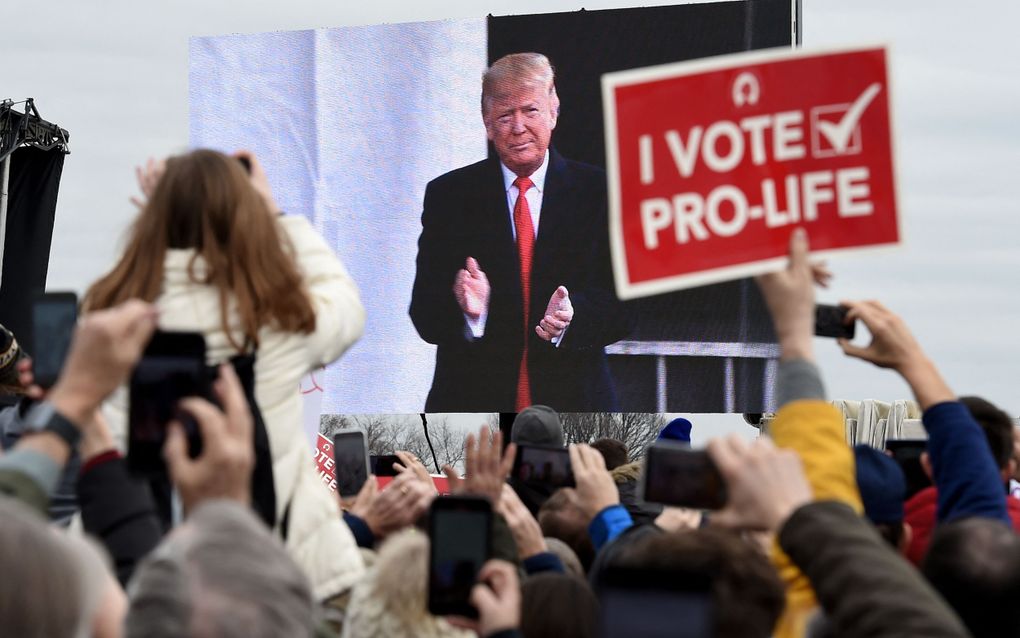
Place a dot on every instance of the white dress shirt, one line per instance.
(476, 327)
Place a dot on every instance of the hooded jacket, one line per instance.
(626, 478)
(317, 537)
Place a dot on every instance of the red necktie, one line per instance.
(525, 245)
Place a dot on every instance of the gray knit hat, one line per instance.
(537, 425)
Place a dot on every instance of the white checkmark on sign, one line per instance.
(839, 133)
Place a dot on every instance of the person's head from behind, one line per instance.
(557, 606)
(53, 585)
(613, 451)
(883, 490)
(998, 429)
(221, 574)
(975, 564)
(392, 599)
(537, 425)
(562, 517)
(742, 590)
(205, 201)
(520, 108)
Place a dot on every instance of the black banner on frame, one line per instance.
(31, 208)
(582, 46)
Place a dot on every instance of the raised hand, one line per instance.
(148, 176)
(765, 484)
(402, 503)
(596, 489)
(471, 289)
(105, 348)
(893, 346)
(259, 180)
(525, 529)
(497, 597)
(558, 314)
(790, 297)
(224, 468)
(485, 469)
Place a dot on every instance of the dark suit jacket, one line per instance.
(466, 214)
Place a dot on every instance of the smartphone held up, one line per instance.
(171, 368)
(677, 475)
(460, 531)
(54, 315)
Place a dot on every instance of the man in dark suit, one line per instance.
(513, 282)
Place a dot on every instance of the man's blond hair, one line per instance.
(516, 70)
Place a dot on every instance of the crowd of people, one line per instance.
(816, 538)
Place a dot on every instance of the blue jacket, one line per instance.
(964, 471)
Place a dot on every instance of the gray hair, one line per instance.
(515, 70)
(51, 583)
(221, 575)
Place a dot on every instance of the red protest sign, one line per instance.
(323, 455)
(713, 163)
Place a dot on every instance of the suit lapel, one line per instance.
(500, 220)
(553, 226)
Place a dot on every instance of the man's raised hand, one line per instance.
(486, 466)
(893, 346)
(596, 489)
(765, 484)
(790, 297)
(471, 289)
(558, 315)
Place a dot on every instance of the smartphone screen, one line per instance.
(829, 322)
(655, 604)
(53, 318)
(677, 475)
(907, 453)
(172, 367)
(543, 465)
(350, 453)
(459, 533)
(382, 465)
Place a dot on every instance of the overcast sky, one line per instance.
(117, 78)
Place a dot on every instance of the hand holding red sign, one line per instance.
(712, 164)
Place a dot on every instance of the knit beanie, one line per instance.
(679, 429)
(537, 425)
(881, 483)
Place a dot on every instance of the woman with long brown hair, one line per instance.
(212, 251)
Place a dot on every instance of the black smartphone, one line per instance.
(382, 465)
(350, 454)
(460, 530)
(907, 453)
(830, 321)
(674, 474)
(649, 602)
(54, 315)
(548, 466)
(172, 368)
(245, 163)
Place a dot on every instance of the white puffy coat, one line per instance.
(318, 539)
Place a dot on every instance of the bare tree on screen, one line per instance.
(637, 430)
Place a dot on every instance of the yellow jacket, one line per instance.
(815, 430)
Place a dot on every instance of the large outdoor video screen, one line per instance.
(376, 134)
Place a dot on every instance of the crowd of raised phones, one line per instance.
(221, 527)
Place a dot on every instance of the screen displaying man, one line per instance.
(513, 281)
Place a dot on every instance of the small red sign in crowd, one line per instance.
(326, 466)
(713, 163)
